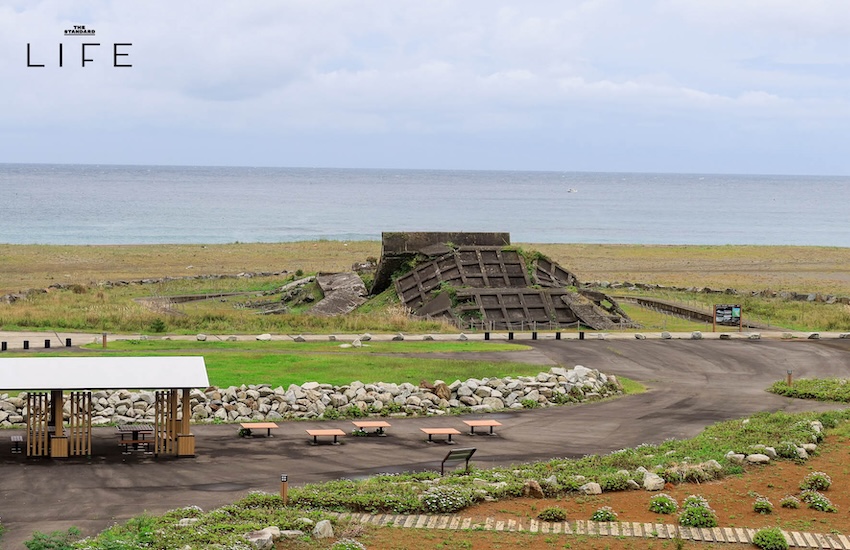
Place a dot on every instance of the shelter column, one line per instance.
(185, 440)
(59, 441)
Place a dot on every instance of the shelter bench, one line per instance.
(268, 426)
(379, 426)
(482, 424)
(316, 434)
(136, 444)
(449, 432)
(16, 443)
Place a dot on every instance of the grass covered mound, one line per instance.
(822, 389)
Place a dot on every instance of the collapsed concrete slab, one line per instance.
(492, 286)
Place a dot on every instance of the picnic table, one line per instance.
(268, 426)
(431, 432)
(316, 434)
(482, 424)
(137, 434)
(378, 425)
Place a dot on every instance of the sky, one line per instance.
(696, 86)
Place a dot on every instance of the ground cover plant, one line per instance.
(426, 491)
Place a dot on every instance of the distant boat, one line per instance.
(571, 190)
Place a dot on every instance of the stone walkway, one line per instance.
(735, 535)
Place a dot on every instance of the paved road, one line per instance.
(692, 383)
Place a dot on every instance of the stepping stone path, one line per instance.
(735, 535)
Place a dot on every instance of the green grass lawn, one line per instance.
(283, 363)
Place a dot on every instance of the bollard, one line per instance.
(104, 339)
(67, 342)
(284, 488)
(581, 335)
(510, 335)
(486, 335)
(26, 344)
(46, 344)
(788, 377)
(557, 336)
(534, 335)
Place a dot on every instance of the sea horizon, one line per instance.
(92, 204)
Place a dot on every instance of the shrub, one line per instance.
(817, 501)
(553, 513)
(614, 482)
(816, 481)
(446, 499)
(662, 503)
(57, 540)
(604, 514)
(528, 404)
(158, 325)
(770, 539)
(697, 513)
(790, 501)
(786, 449)
(330, 413)
(762, 506)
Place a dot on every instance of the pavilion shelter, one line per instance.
(47, 379)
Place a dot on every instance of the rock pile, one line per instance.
(315, 400)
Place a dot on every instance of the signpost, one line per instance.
(728, 315)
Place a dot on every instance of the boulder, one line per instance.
(201, 337)
(323, 530)
(591, 488)
(532, 489)
(652, 482)
(758, 458)
(264, 337)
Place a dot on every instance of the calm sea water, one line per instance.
(75, 204)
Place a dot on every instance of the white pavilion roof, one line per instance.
(102, 373)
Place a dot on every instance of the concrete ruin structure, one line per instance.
(478, 280)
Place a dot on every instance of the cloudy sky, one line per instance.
(717, 86)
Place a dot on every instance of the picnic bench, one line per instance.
(378, 426)
(136, 433)
(482, 424)
(316, 434)
(268, 426)
(431, 432)
(17, 440)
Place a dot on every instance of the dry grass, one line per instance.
(803, 269)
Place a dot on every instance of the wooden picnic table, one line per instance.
(440, 431)
(316, 434)
(268, 426)
(378, 425)
(482, 424)
(137, 433)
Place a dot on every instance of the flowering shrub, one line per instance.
(790, 501)
(697, 513)
(347, 544)
(770, 539)
(816, 481)
(662, 503)
(817, 501)
(604, 514)
(763, 506)
(446, 499)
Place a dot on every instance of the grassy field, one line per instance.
(798, 268)
(128, 308)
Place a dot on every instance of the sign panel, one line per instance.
(727, 315)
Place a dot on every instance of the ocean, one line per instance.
(104, 204)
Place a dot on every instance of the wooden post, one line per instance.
(788, 375)
(103, 336)
(284, 488)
